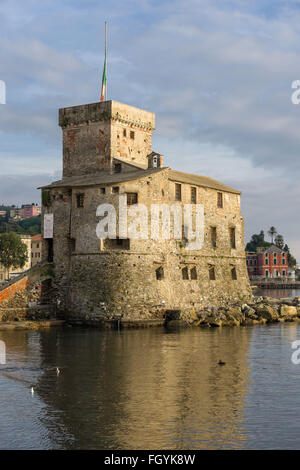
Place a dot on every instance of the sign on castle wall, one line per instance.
(48, 226)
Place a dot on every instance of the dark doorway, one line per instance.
(50, 249)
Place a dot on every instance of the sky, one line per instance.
(216, 73)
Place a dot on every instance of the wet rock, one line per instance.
(288, 311)
(258, 311)
(267, 312)
(250, 314)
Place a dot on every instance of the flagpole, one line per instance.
(104, 80)
(106, 61)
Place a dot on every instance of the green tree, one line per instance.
(257, 240)
(272, 231)
(13, 252)
(291, 260)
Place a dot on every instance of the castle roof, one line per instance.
(102, 178)
(199, 180)
(106, 178)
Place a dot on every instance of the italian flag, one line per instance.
(103, 88)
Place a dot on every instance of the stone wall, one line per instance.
(95, 283)
(28, 297)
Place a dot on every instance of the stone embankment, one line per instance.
(260, 310)
(27, 299)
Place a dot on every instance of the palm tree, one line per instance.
(272, 232)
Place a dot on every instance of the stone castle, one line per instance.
(107, 153)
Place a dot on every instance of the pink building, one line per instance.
(30, 210)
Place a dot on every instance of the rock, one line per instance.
(235, 315)
(267, 312)
(250, 313)
(288, 311)
(244, 307)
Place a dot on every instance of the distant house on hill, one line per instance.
(268, 262)
(36, 249)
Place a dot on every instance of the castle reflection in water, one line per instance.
(147, 389)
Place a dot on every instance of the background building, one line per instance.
(36, 249)
(25, 212)
(30, 210)
(271, 262)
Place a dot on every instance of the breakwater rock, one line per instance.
(259, 310)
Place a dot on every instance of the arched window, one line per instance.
(233, 274)
(159, 273)
(212, 274)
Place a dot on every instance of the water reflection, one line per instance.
(147, 389)
(150, 389)
(277, 293)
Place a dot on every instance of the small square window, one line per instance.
(185, 273)
(220, 200)
(132, 198)
(80, 199)
(115, 189)
(193, 195)
(117, 167)
(213, 236)
(132, 134)
(102, 190)
(212, 274)
(159, 272)
(194, 273)
(178, 192)
(232, 237)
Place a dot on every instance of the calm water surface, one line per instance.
(278, 293)
(151, 389)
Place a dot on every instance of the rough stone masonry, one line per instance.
(106, 154)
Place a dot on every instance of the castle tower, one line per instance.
(94, 134)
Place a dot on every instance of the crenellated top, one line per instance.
(107, 111)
